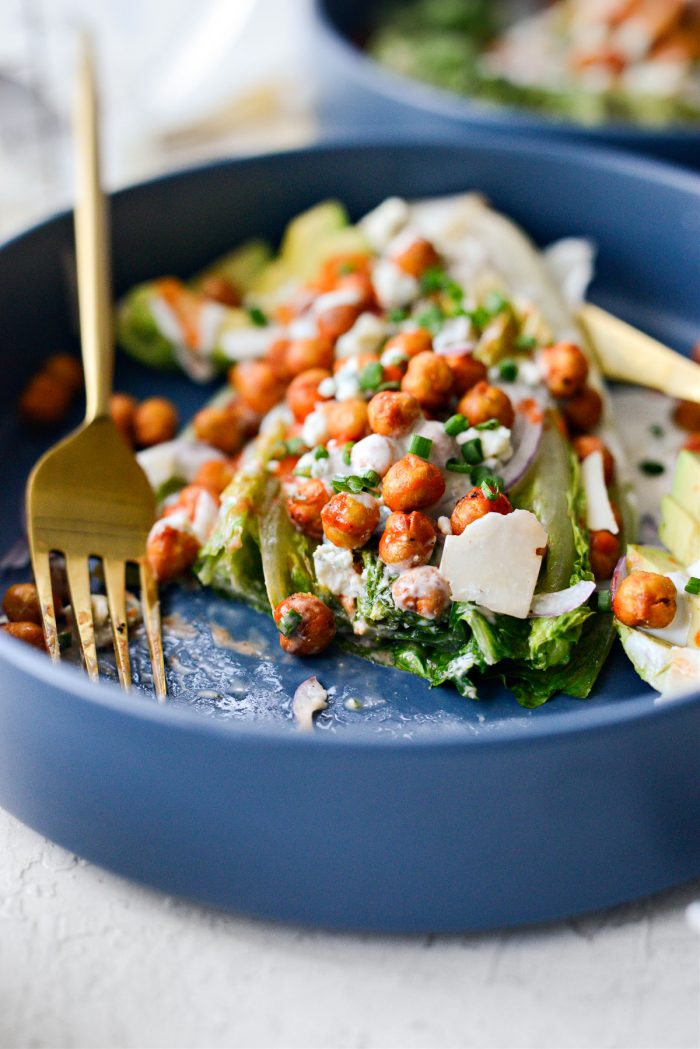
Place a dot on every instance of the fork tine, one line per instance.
(42, 578)
(150, 602)
(116, 598)
(78, 573)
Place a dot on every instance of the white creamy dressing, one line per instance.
(243, 344)
(365, 336)
(393, 288)
(315, 429)
(599, 511)
(422, 582)
(334, 568)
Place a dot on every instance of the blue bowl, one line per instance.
(360, 96)
(422, 811)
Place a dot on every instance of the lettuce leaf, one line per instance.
(286, 553)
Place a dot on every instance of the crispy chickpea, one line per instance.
(276, 357)
(45, 400)
(484, 402)
(339, 267)
(310, 634)
(645, 599)
(423, 591)
(21, 604)
(348, 420)
(566, 368)
(215, 474)
(349, 519)
(686, 414)
(412, 484)
(171, 552)
(361, 284)
(586, 444)
(155, 421)
(467, 371)
(583, 411)
(392, 413)
(221, 428)
(122, 407)
(692, 443)
(410, 343)
(476, 504)
(416, 257)
(407, 538)
(258, 385)
(189, 499)
(303, 354)
(219, 288)
(67, 369)
(429, 379)
(30, 633)
(334, 322)
(302, 392)
(604, 549)
(304, 506)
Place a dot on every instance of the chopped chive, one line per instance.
(347, 450)
(302, 471)
(456, 424)
(525, 342)
(371, 478)
(490, 490)
(490, 424)
(436, 280)
(397, 315)
(604, 601)
(651, 467)
(473, 451)
(294, 446)
(393, 385)
(455, 467)
(258, 317)
(495, 303)
(321, 452)
(420, 446)
(289, 622)
(693, 585)
(431, 318)
(371, 376)
(508, 371)
(481, 474)
(656, 431)
(355, 484)
(65, 640)
(480, 316)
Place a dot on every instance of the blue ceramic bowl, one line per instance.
(359, 96)
(422, 811)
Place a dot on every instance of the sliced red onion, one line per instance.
(555, 604)
(619, 573)
(309, 698)
(527, 436)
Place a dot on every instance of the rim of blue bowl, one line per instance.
(468, 109)
(586, 718)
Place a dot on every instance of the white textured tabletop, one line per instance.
(88, 960)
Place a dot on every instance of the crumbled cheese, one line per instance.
(332, 299)
(315, 429)
(455, 334)
(496, 444)
(382, 224)
(392, 286)
(390, 358)
(327, 387)
(443, 446)
(347, 381)
(372, 453)
(529, 373)
(495, 561)
(178, 458)
(599, 512)
(365, 336)
(334, 568)
(445, 525)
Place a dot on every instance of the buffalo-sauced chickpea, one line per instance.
(422, 590)
(416, 257)
(412, 484)
(645, 599)
(358, 362)
(349, 519)
(586, 444)
(429, 379)
(67, 369)
(348, 420)
(221, 428)
(305, 624)
(686, 414)
(258, 385)
(566, 368)
(305, 503)
(30, 633)
(336, 320)
(407, 539)
(476, 504)
(302, 392)
(339, 267)
(692, 442)
(188, 499)
(392, 413)
(21, 604)
(276, 357)
(410, 343)
(122, 407)
(219, 288)
(583, 411)
(604, 551)
(171, 552)
(155, 420)
(303, 354)
(466, 370)
(45, 400)
(361, 285)
(484, 402)
(215, 474)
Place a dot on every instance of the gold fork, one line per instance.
(87, 496)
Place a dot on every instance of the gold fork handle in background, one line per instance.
(92, 245)
(629, 355)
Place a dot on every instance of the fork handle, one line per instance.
(92, 245)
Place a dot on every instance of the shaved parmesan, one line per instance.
(495, 562)
(599, 512)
